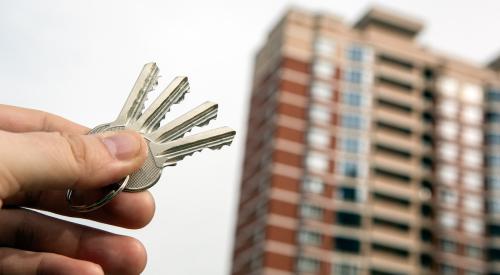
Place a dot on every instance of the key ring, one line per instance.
(116, 188)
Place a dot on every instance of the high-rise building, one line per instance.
(366, 153)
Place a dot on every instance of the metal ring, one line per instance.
(99, 203)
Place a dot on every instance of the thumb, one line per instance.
(41, 160)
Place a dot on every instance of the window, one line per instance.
(448, 108)
(311, 212)
(493, 139)
(473, 203)
(352, 98)
(347, 245)
(448, 174)
(448, 246)
(473, 251)
(308, 265)
(309, 237)
(349, 169)
(324, 46)
(494, 160)
(321, 91)
(323, 69)
(319, 137)
(351, 145)
(473, 225)
(352, 121)
(355, 53)
(354, 75)
(347, 193)
(348, 219)
(449, 197)
(448, 129)
(346, 269)
(448, 151)
(448, 86)
(471, 93)
(472, 158)
(448, 219)
(472, 180)
(317, 162)
(493, 117)
(494, 95)
(472, 272)
(494, 182)
(471, 114)
(320, 114)
(314, 185)
(472, 136)
(494, 207)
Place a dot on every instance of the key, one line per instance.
(169, 153)
(167, 145)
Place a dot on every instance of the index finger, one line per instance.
(17, 119)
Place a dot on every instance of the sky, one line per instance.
(79, 59)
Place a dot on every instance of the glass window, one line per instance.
(448, 151)
(472, 180)
(311, 212)
(319, 137)
(493, 117)
(473, 203)
(346, 269)
(355, 53)
(314, 185)
(471, 93)
(448, 129)
(347, 193)
(309, 237)
(473, 251)
(493, 139)
(354, 75)
(448, 246)
(317, 162)
(321, 90)
(352, 121)
(473, 225)
(494, 207)
(494, 95)
(448, 219)
(448, 86)
(448, 108)
(308, 265)
(494, 160)
(472, 158)
(449, 197)
(494, 182)
(472, 272)
(349, 169)
(352, 98)
(472, 136)
(324, 46)
(323, 69)
(351, 145)
(320, 114)
(472, 114)
(448, 174)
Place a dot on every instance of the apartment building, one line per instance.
(368, 153)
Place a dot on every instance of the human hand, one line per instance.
(41, 155)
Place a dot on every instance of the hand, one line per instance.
(41, 155)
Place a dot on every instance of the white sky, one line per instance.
(79, 59)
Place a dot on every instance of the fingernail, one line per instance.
(122, 145)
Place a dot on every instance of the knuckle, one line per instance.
(78, 153)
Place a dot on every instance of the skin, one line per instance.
(41, 156)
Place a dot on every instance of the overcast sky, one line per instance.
(79, 59)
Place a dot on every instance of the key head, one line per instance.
(142, 179)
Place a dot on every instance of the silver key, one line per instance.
(167, 145)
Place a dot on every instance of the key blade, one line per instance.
(152, 116)
(198, 116)
(172, 152)
(134, 105)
